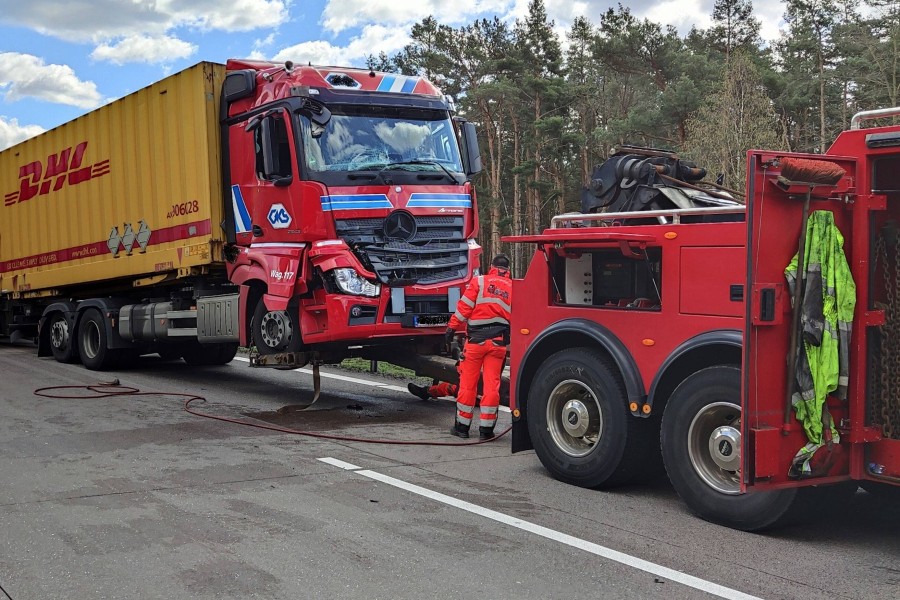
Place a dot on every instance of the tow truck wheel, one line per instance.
(701, 447)
(274, 331)
(62, 342)
(579, 423)
(92, 342)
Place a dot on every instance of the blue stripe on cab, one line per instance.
(241, 214)
(438, 200)
(445, 203)
(356, 202)
(421, 196)
(386, 83)
(409, 85)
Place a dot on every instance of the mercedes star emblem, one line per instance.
(400, 225)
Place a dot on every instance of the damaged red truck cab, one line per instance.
(374, 236)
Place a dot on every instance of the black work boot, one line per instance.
(459, 430)
(485, 433)
(420, 391)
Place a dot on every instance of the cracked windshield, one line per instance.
(363, 143)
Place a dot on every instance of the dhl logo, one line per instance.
(62, 167)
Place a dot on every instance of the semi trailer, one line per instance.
(306, 213)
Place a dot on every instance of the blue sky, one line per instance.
(62, 58)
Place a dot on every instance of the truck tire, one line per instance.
(62, 340)
(579, 423)
(198, 355)
(701, 447)
(274, 331)
(92, 342)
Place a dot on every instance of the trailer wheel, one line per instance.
(274, 331)
(197, 354)
(92, 342)
(701, 447)
(62, 340)
(579, 423)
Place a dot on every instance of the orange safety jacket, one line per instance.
(485, 307)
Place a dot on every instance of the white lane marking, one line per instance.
(386, 386)
(551, 534)
(339, 463)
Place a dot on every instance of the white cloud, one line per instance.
(24, 75)
(11, 133)
(771, 16)
(234, 15)
(681, 14)
(100, 20)
(144, 49)
(339, 15)
(373, 40)
(317, 53)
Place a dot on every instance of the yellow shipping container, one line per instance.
(129, 193)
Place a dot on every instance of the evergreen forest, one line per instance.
(548, 108)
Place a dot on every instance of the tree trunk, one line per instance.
(516, 200)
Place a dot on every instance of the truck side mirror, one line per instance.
(322, 117)
(471, 152)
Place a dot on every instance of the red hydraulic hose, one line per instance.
(111, 390)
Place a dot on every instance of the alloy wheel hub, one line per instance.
(276, 329)
(59, 334)
(725, 447)
(575, 418)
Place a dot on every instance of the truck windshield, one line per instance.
(373, 142)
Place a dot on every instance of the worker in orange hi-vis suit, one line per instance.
(485, 311)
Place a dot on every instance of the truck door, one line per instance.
(263, 170)
(877, 456)
(775, 217)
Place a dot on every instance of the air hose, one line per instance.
(113, 389)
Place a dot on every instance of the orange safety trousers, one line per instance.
(485, 360)
(442, 389)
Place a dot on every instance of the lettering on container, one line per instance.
(185, 208)
(65, 166)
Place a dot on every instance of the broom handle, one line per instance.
(795, 317)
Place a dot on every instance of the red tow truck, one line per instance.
(653, 329)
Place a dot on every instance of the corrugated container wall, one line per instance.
(129, 190)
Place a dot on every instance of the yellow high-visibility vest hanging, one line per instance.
(826, 318)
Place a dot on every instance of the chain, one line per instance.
(885, 401)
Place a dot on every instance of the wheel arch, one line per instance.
(68, 310)
(573, 333)
(251, 291)
(705, 350)
(109, 310)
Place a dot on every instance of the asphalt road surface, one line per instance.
(132, 497)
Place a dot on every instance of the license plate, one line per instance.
(430, 320)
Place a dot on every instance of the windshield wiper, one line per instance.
(433, 163)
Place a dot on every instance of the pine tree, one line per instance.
(807, 55)
(734, 27)
(736, 119)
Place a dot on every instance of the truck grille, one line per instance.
(438, 252)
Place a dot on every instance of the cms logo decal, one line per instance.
(279, 217)
(64, 167)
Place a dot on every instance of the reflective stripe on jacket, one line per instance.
(826, 318)
(486, 305)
